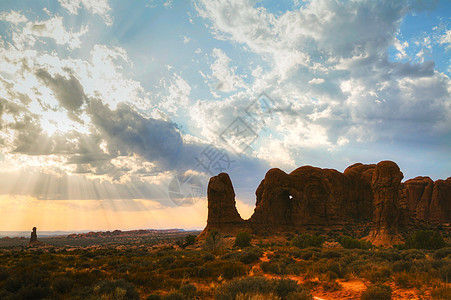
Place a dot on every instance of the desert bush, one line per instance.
(380, 274)
(233, 269)
(118, 289)
(283, 288)
(153, 297)
(425, 239)
(404, 279)
(350, 243)
(243, 239)
(250, 255)
(190, 240)
(63, 285)
(331, 285)
(4, 274)
(208, 257)
(412, 254)
(441, 292)
(175, 296)
(305, 240)
(377, 292)
(442, 253)
(188, 290)
(282, 266)
(445, 273)
(388, 255)
(305, 254)
(401, 266)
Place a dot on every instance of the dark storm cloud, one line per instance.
(69, 92)
(128, 132)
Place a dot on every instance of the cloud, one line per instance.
(155, 140)
(223, 74)
(176, 94)
(445, 39)
(316, 81)
(99, 7)
(68, 91)
(13, 17)
(53, 28)
(329, 71)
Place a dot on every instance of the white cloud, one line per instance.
(13, 17)
(445, 39)
(343, 46)
(99, 7)
(224, 75)
(316, 81)
(400, 47)
(177, 95)
(54, 28)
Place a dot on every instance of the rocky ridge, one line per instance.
(321, 198)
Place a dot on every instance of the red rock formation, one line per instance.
(34, 239)
(222, 213)
(424, 200)
(440, 206)
(385, 184)
(311, 196)
(308, 196)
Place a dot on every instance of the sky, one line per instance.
(115, 114)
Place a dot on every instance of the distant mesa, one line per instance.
(34, 239)
(310, 197)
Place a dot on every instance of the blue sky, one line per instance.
(103, 104)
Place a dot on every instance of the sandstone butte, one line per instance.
(311, 197)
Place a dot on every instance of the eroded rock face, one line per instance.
(310, 196)
(313, 196)
(425, 200)
(222, 212)
(385, 184)
(34, 239)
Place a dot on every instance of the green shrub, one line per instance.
(425, 239)
(153, 297)
(377, 292)
(243, 239)
(305, 240)
(350, 243)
